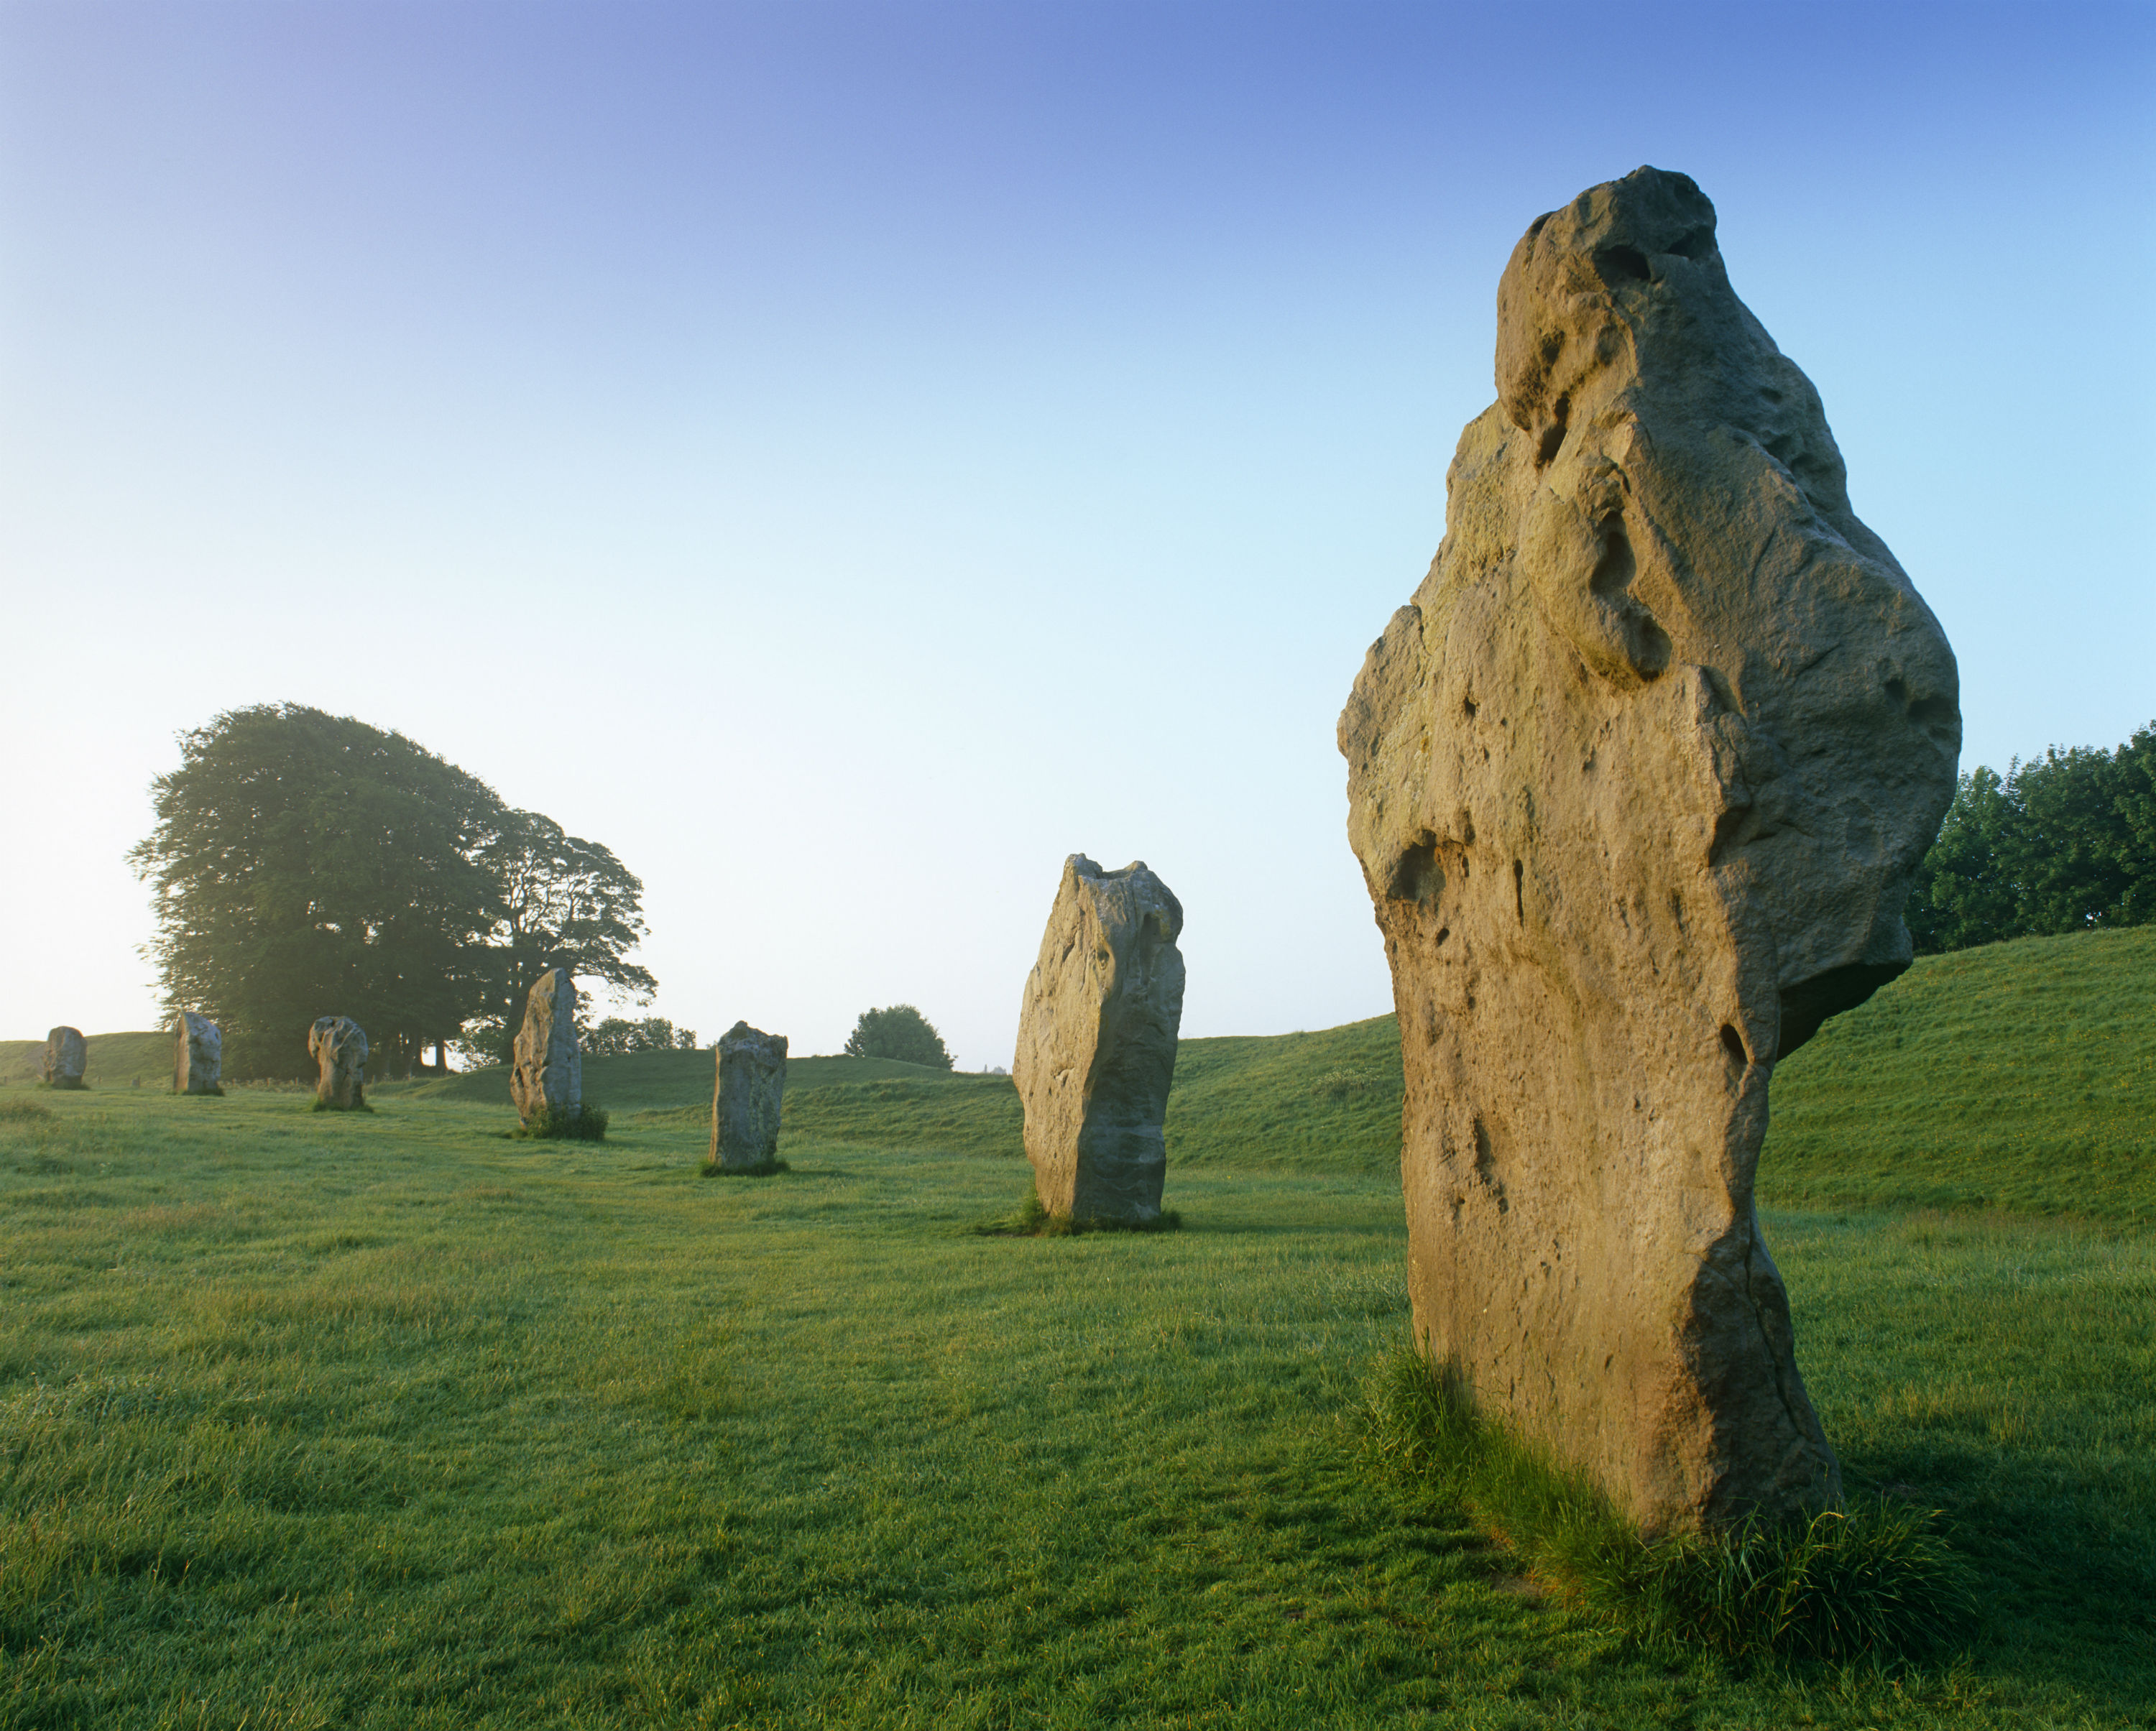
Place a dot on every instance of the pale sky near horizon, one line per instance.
(847, 457)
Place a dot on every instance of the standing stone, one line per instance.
(197, 1054)
(1097, 1043)
(549, 1071)
(338, 1046)
(1637, 783)
(66, 1057)
(746, 1104)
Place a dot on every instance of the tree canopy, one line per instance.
(307, 864)
(2065, 842)
(902, 1032)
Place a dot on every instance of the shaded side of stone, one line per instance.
(66, 1057)
(197, 1054)
(338, 1046)
(747, 1099)
(547, 1073)
(1637, 783)
(1097, 1043)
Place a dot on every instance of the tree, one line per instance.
(306, 864)
(561, 901)
(902, 1032)
(2064, 843)
(617, 1035)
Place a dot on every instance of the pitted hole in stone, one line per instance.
(1519, 891)
(1552, 435)
(1467, 707)
(1485, 1166)
(1615, 569)
(1442, 932)
(1621, 264)
(1416, 876)
(1692, 244)
(1732, 1042)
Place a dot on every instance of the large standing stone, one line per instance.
(549, 1071)
(1637, 783)
(66, 1057)
(197, 1054)
(746, 1103)
(338, 1046)
(1097, 1043)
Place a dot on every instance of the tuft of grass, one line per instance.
(586, 1123)
(1034, 1221)
(23, 1111)
(762, 1168)
(320, 1104)
(1873, 1582)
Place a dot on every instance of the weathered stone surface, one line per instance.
(1097, 1043)
(1637, 785)
(746, 1103)
(198, 1055)
(548, 1074)
(338, 1046)
(66, 1058)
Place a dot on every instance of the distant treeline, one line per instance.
(2066, 842)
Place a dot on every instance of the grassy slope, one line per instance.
(391, 1422)
(2019, 1076)
(115, 1060)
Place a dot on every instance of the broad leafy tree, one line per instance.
(306, 864)
(561, 901)
(900, 1031)
(617, 1035)
(2064, 843)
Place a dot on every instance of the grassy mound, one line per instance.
(132, 1060)
(2017, 1076)
(663, 1081)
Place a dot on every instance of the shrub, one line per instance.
(1870, 1582)
(548, 1124)
(901, 1032)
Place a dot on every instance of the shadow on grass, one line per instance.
(1873, 1583)
(1033, 1221)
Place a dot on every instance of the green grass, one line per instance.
(2019, 1076)
(387, 1420)
(327, 1419)
(1871, 1581)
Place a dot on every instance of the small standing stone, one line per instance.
(549, 1073)
(1096, 1044)
(745, 1106)
(197, 1054)
(66, 1057)
(338, 1045)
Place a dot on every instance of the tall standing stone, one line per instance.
(747, 1099)
(1638, 783)
(66, 1058)
(197, 1054)
(548, 1075)
(1097, 1042)
(338, 1046)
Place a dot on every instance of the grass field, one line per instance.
(314, 1420)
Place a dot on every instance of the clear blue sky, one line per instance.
(847, 457)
